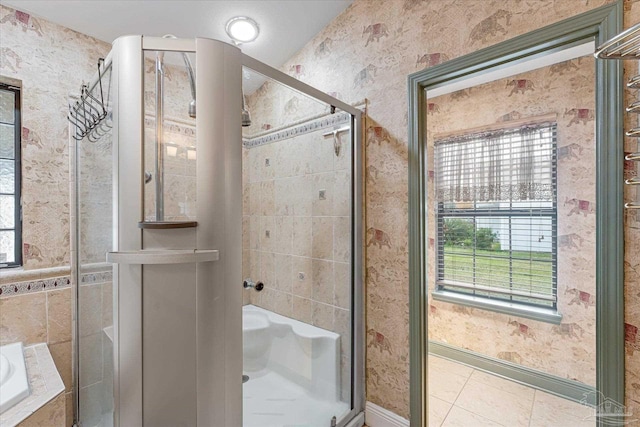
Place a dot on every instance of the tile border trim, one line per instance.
(290, 132)
(49, 284)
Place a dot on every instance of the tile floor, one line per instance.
(462, 396)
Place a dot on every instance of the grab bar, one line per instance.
(163, 256)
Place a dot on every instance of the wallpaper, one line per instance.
(52, 62)
(567, 91)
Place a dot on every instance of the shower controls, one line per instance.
(248, 283)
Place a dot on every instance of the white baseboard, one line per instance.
(377, 416)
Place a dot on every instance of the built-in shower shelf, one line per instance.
(163, 256)
(164, 225)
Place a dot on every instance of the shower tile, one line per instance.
(322, 206)
(322, 153)
(342, 284)
(322, 315)
(342, 193)
(301, 195)
(91, 359)
(284, 234)
(254, 263)
(254, 232)
(267, 201)
(342, 239)
(255, 197)
(246, 263)
(302, 236)
(267, 270)
(282, 196)
(246, 232)
(254, 166)
(283, 158)
(267, 233)
(59, 315)
(107, 304)
(23, 318)
(266, 158)
(300, 155)
(246, 199)
(302, 309)
(50, 415)
(90, 316)
(302, 276)
(283, 265)
(322, 290)
(322, 240)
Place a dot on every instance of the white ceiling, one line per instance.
(285, 26)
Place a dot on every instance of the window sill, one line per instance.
(514, 309)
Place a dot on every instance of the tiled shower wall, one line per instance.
(297, 231)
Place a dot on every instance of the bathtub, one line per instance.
(14, 385)
(293, 370)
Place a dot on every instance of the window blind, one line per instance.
(497, 214)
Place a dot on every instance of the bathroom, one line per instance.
(321, 199)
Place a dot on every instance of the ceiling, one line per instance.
(285, 26)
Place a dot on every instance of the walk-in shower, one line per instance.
(165, 332)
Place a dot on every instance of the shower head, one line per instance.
(192, 79)
(246, 118)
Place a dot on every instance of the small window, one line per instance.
(10, 218)
(496, 215)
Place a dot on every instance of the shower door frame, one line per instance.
(356, 416)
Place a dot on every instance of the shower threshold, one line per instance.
(271, 400)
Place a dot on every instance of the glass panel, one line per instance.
(7, 247)
(297, 241)
(7, 106)
(7, 211)
(169, 149)
(7, 176)
(7, 141)
(95, 311)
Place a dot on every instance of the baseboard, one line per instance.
(572, 390)
(377, 416)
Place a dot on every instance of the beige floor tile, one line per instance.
(459, 417)
(445, 385)
(436, 362)
(501, 383)
(438, 410)
(550, 410)
(501, 406)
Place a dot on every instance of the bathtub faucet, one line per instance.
(248, 283)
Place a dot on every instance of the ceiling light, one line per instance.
(242, 29)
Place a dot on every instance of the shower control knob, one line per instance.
(248, 283)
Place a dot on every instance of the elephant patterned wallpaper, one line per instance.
(373, 49)
(566, 91)
(51, 62)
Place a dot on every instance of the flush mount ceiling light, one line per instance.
(242, 29)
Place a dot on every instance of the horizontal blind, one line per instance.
(496, 214)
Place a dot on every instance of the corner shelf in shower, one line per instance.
(176, 256)
(165, 225)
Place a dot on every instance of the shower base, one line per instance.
(271, 400)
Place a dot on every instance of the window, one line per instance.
(496, 216)
(10, 218)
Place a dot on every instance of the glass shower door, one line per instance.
(297, 225)
(94, 290)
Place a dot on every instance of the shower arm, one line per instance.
(188, 66)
